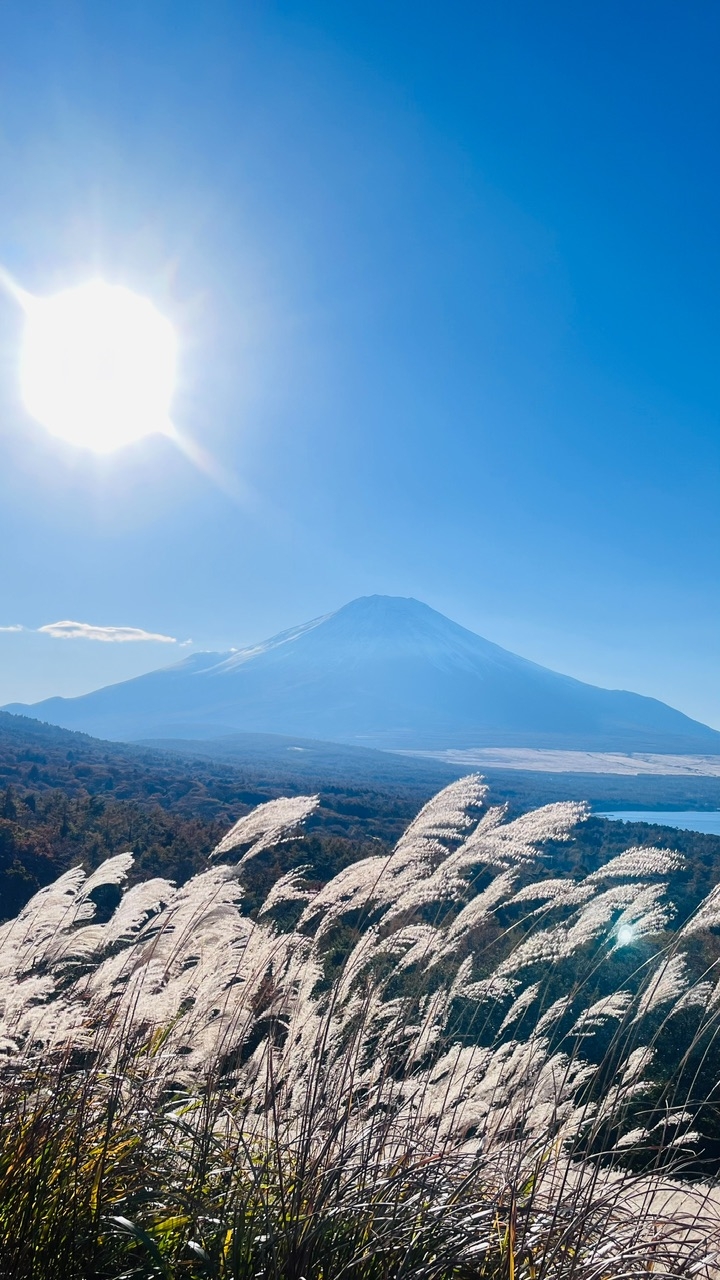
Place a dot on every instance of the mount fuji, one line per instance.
(383, 671)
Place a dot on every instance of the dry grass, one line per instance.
(445, 1063)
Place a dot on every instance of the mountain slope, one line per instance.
(382, 671)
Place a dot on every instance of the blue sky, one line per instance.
(446, 284)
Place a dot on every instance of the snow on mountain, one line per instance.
(382, 671)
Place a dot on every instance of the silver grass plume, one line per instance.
(267, 825)
(667, 984)
(639, 863)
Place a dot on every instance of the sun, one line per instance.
(98, 365)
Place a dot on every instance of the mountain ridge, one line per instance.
(382, 671)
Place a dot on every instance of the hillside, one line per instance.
(385, 672)
(66, 798)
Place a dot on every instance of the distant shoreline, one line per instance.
(546, 760)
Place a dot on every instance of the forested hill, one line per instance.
(67, 798)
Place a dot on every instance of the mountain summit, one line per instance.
(382, 671)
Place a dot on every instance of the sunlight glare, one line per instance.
(98, 366)
(625, 935)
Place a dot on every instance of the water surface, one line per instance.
(687, 819)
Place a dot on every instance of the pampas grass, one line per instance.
(441, 1063)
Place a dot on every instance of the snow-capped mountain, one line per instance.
(382, 671)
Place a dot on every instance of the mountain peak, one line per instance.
(389, 619)
(390, 608)
(387, 612)
(379, 604)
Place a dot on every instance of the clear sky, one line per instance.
(445, 278)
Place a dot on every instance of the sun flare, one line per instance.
(98, 366)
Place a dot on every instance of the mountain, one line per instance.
(382, 671)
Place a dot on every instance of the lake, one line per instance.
(687, 819)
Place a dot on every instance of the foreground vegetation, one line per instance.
(469, 1057)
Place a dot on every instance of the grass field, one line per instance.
(459, 1058)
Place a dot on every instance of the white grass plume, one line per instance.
(267, 825)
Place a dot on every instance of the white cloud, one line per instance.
(17, 627)
(109, 635)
